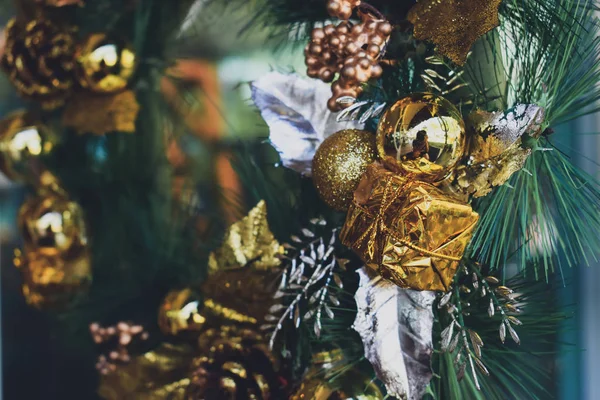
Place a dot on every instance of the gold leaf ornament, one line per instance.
(454, 25)
(248, 241)
(498, 147)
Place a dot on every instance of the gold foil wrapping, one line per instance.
(409, 231)
(454, 25)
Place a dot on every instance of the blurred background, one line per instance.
(215, 64)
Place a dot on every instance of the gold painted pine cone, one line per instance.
(39, 60)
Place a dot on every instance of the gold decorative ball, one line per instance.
(423, 135)
(51, 281)
(105, 64)
(180, 312)
(53, 226)
(339, 163)
(24, 142)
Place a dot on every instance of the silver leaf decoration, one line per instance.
(294, 109)
(396, 329)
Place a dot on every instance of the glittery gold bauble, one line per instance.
(39, 60)
(53, 281)
(24, 142)
(351, 385)
(422, 135)
(236, 364)
(53, 226)
(105, 64)
(339, 163)
(180, 312)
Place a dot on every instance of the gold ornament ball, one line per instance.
(105, 64)
(51, 281)
(422, 135)
(339, 164)
(180, 312)
(24, 142)
(53, 226)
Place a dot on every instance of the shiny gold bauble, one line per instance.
(53, 226)
(352, 385)
(180, 312)
(339, 163)
(105, 64)
(24, 142)
(423, 135)
(52, 281)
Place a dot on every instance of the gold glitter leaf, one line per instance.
(248, 241)
(100, 114)
(454, 25)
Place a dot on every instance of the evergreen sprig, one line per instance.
(545, 218)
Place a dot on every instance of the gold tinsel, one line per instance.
(410, 232)
(453, 25)
(339, 163)
(100, 114)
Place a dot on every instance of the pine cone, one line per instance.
(237, 365)
(39, 60)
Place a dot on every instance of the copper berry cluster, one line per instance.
(347, 50)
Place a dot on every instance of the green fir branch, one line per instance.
(545, 218)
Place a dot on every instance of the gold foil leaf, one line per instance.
(157, 375)
(496, 149)
(101, 114)
(454, 25)
(248, 241)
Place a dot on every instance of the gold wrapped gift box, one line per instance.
(409, 231)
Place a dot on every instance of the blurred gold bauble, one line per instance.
(52, 225)
(180, 312)
(422, 135)
(52, 281)
(352, 385)
(24, 142)
(339, 163)
(105, 64)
